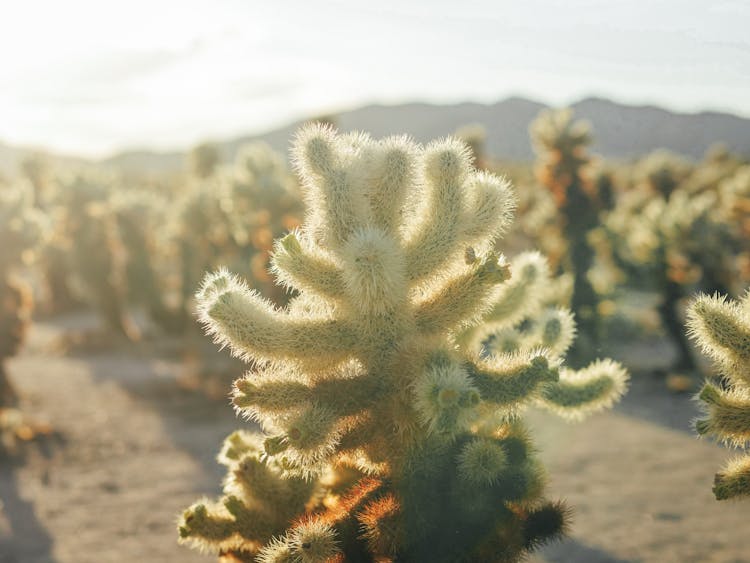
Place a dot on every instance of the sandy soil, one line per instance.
(135, 449)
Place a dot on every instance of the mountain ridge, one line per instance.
(620, 131)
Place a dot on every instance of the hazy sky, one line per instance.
(92, 77)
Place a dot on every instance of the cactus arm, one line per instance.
(374, 273)
(330, 182)
(490, 204)
(463, 299)
(392, 171)
(555, 331)
(518, 296)
(722, 329)
(223, 527)
(734, 480)
(580, 393)
(302, 268)
(507, 380)
(436, 238)
(253, 329)
(728, 415)
(257, 395)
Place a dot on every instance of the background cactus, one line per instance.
(561, 144)
(722, 328)
(667, 236)
(231, 220)
(384, 427)
(119, 245)
(475, 137)
(21, 229)
(96, 254)
(204, 159)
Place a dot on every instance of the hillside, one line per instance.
(621, 131)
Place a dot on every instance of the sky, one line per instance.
(94, 77)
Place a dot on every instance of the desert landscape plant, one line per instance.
(228, 219)
(560, 144)
(21, 229)
(721, 327)
(387, 433)
(673, 240)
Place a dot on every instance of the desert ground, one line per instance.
(133, 448)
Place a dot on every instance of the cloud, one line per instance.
(123, 66)
(258, 88)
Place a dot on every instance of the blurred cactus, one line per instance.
(117, 246)
(22, 228)
(561, 144)
(475, 137)
(231, 220)
(386, 436)
(661, 172)
(96, 254)
(204, 159)
(722, 328)
(666, 237)
(35, 168)
(140, 216)
(734, 197)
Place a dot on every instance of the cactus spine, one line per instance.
(384, 437)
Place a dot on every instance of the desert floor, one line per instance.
(135, 448)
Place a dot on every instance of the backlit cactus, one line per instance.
(21, 229)
(231, 220)
(722, 328)
(204, 159)
(734, 197)
(475, 137)
(387, 435)
(96, 254)
(561, 145)
(667, 238)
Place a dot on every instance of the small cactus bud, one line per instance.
(445, 398)
(313, 542)
(482, 462)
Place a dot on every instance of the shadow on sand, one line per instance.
(571, 550)
(24, 539)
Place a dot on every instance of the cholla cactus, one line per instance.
(529, 315)
(673, 244)
(561, 144)
(408, 438)
(661, 172)
(231, 220)
(734, 195)
(140, 216)
(722, 328)
(204, 159)
(91, 241)
(21, 229)
(475, 136)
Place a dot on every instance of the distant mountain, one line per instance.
(620, 131)
(12, 157)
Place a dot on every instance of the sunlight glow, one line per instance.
(94, 77)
